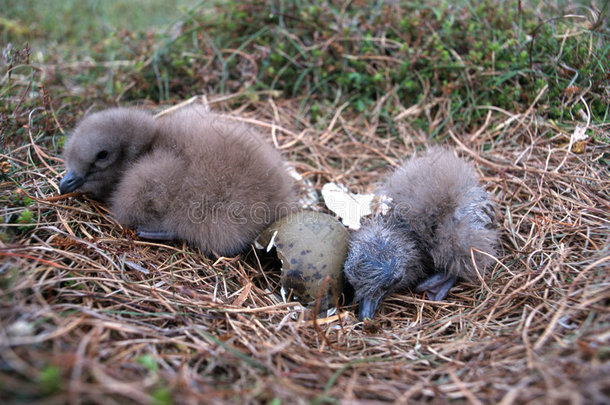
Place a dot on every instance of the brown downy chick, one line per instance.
(196, 176)
(102, 146)
(440, 212)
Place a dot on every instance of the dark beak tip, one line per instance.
(70, 182)
(367, 309)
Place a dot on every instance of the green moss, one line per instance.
(323, 51)
(26, 217)
(148, 361)
(50, 379)
(162, 396)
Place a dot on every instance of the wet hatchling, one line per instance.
(190, 175)
(438, 216)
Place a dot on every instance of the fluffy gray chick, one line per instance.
(191, 175)
(439, 215)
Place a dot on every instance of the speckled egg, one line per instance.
(311, 246)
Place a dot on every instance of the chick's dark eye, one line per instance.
(101, 155)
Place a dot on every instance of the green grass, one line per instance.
(474, 54)
(81, 23)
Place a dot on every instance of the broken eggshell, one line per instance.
(311, 246)
(351, 207)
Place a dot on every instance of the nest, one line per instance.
(90, 313)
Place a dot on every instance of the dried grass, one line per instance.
(83, 296)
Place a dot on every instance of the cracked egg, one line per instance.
(311, 245)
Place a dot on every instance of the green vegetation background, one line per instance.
(472, 53)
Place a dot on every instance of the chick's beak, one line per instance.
(70, 182)
(368, 307)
